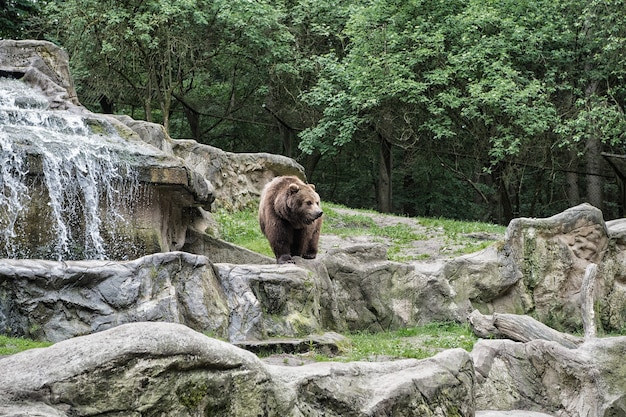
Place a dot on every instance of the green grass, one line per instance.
(415, 342)
(11, 345)
(242, 228)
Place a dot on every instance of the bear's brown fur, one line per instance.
(290, 218)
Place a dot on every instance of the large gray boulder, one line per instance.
(50, 300)
(548, 257)
(440, 386)
(155, 369)
(142, 369)
(375, 294)
(546, 376)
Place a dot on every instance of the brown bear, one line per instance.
(290, 218)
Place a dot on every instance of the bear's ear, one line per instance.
(312, 186)
(294, 188)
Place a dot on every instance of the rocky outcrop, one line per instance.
(237, 178)
(41, 64)
(376, 294)
(350, 288)
(50, 300)
(168, 369)
(149, 196)
(539, 269)
(354, 289)
(439, 387)
(546, 376)
(138, 369)
(548, 257)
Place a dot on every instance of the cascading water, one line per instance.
(80, 167)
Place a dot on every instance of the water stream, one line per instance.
(67, 173)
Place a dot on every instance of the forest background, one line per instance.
(466, 109)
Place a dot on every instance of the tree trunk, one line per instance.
(165, 108)
(571, 177)
(147, 105)
(106, 104)
(193, 120)
(593, 158)
(286, 135)
(384, 176)
(310, 162)
(506, 208)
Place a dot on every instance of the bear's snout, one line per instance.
(318, 215)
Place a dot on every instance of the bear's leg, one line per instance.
(311, 240)
(297, 244)
(281, 243)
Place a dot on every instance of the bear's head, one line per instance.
(304, 202)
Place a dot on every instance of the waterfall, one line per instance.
(79, 166)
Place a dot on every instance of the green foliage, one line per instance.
(11, 345)
(166, 56)
(500, 83)
(14, 16)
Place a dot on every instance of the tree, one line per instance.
(512, 85)
(374, 93)
(14, 16)
(169, 52)
(426, 73)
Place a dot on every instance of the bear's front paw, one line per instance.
(285, 259)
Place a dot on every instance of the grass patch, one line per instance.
(11, 345)
(415, 342)
(345, 225)
(242, 228)
(459, 233)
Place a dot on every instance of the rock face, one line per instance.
(440, 386)
(167, 369)
(92, 187)
(54, 301)
(352, 288)
(542, 375)
(42, 64)
(549, 256)
(137, 370)
(539, 269)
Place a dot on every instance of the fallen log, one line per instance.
(520, 328)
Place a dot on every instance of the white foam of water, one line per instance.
(80, 171)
